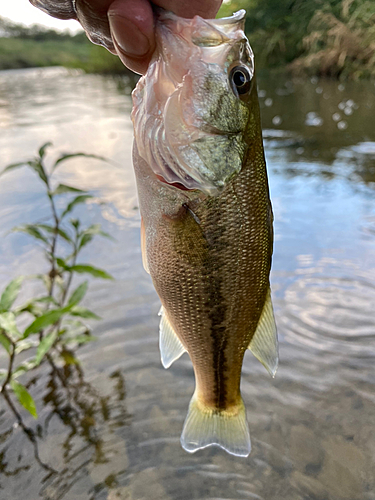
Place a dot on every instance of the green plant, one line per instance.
(57, 318)
(342, 43)
(334, 38)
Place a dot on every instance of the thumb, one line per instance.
(132, 30)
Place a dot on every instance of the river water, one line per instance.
(111, 426)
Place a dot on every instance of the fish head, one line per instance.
(193, 108)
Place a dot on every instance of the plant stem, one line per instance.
(53, 244)
(55, 236)
(29, 432)
(67, 286)
(69, 281)
(52, 273)
(16, 414)
(11, 362)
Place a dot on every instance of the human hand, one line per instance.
(125, 27)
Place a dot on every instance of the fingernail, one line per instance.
(127, 37)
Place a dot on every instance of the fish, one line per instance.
(206, 216)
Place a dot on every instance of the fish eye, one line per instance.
(240, 79)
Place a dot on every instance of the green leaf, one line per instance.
(73, 326)
(47, 319)
(34, 306)
(24, 397)
(59, 281)
(65, 235)
(76, 201)
(23, 368)
(78, 294)
(13, 166)
(82, 312)
(42, 150)
(52, 230)
(93, 229)
(69, 358)
(8, 323)
(44, 346)
(79, 339)
(63, 188)
(86, 238)
(6, 343)
(46, 279)
(94, 271)
(106, 235)
(37, 166)
(10, 294)
(31, 307)
(75, 155)
(24, 345)
(62, 263)
(90, 232)
(46, 300)
(75, 222)
(32, 230)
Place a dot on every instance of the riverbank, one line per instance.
(16, 53)
(328, 38)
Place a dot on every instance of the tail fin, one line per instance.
(205, 426)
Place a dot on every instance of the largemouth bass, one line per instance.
(206, 216)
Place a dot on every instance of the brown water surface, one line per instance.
(111, 426)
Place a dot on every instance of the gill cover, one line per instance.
(188, 110)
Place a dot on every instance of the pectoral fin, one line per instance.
(264, 343)
(143, 246)
(170, 345)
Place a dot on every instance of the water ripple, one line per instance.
(327, 313)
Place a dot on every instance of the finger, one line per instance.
(62, 9)
(92, 14)
(132, 29)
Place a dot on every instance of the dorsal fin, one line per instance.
(170, 345)
(143, 247)
(264, 344)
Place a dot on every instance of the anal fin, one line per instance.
(170, 345)
(264, 344)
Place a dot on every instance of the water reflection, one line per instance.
(312, 427)
(76, 432)
(325, 115)
(340, 313)
(76, 112)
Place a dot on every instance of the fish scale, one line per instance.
(207, 249)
